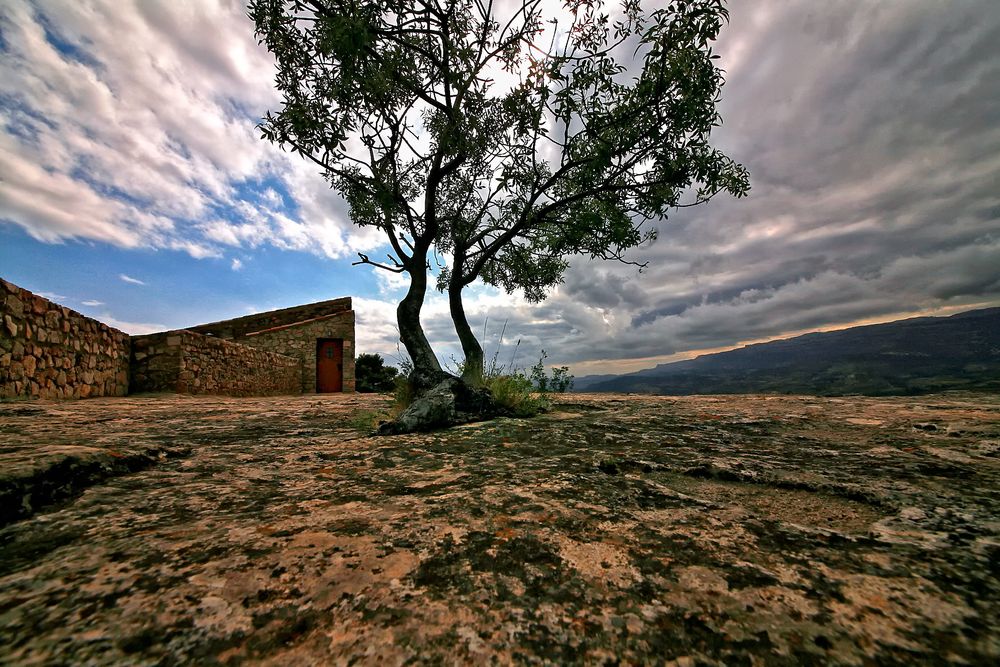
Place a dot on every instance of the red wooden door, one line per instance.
(329, 366)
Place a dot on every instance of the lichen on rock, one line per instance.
(624, 529)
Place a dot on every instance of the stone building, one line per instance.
(320, 335)
(50, 351)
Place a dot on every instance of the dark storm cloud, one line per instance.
(603, 289)
(872, 135)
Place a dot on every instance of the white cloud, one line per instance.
(272, 197)
(141, 131)
(390, 285)
(92, 303)
(132, 328)
(375, 328)
(130, 279)
(196, 249)
(236, 264)
(52, 296)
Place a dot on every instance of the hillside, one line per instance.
(914, 356)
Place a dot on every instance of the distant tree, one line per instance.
(449, 126)
(371, 375)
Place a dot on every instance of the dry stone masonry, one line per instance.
(239, 327)
(190, 363)
(294, 332)
(49, 351)
(299, 340)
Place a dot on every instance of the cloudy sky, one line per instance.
(135, 189)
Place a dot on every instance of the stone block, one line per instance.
(15, 306)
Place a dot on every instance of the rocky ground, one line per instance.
(614, 530)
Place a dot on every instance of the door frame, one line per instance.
(319, 347)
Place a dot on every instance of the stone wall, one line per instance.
(50, 351)
(241, 326)
(190, 363)
(299, 340)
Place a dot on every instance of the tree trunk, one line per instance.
(472, 371)
(426, 369)
(442, 399)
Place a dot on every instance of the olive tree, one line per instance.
(506, 136)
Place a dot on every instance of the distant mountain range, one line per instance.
(914, 356)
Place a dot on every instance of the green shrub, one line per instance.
(515, 393)
(560, 382)
(372, 375)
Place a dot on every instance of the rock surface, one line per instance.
(614, 530)
(450, 402)
(40, 465)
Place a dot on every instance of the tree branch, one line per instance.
(398, 268)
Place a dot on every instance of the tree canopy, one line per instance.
(507, 137)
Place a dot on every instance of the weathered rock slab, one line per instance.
(629, 530)
(450, 402)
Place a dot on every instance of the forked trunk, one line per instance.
(442, 399)
(472, 371)
(426, 369)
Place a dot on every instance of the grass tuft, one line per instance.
(515, 393)
(403, 397)
(367, 421)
